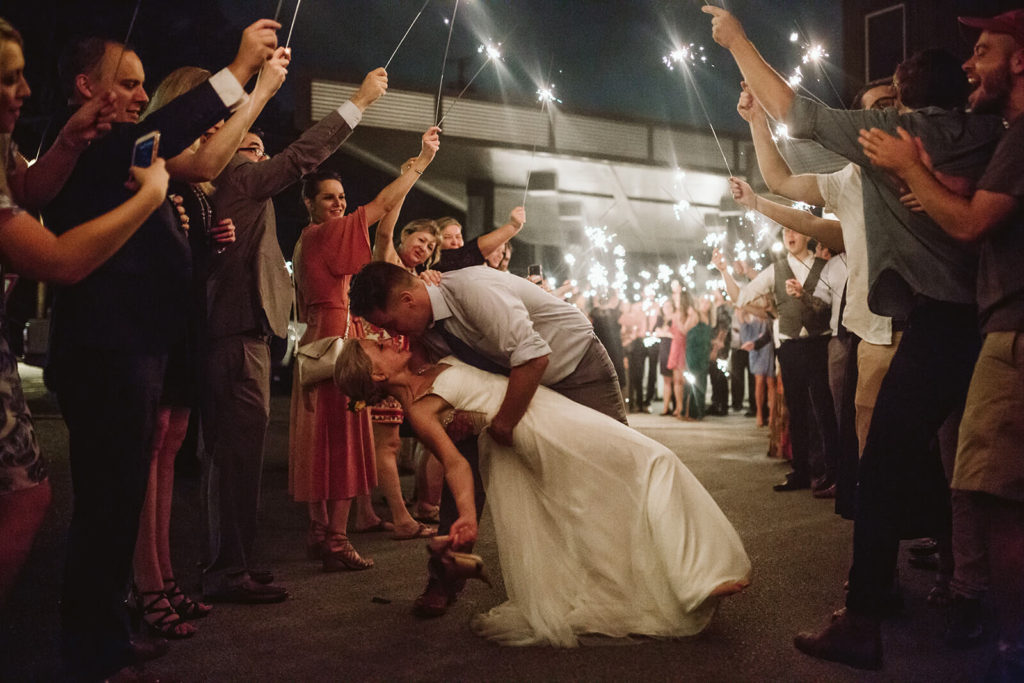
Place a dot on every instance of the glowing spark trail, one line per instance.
(415, 19)
(493, 53)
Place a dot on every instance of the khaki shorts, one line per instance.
(872, 363)
(990, 455)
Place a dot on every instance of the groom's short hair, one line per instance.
(372, 287)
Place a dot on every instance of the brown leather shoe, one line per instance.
(433, 601)
(852, 639)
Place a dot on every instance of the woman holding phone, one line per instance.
(28, 248)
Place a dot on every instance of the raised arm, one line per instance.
(768, 86)
(213, 155)
(34, 186)
(384, 237)
(827, 231)
(962, 218)
(33, 251)
(731, 288)
(774, 169)
(496, 238)
(395, 191)
(424, 418)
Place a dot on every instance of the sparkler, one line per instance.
(124, 46)
(444, 61)
(547, 95)
(295, 15)
(493, 53)
(415, 19)
(685, 57)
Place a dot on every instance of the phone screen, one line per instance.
(535, 269)
(142, 155)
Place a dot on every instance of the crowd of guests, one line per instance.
(864, 347)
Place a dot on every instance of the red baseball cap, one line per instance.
(1011, 23)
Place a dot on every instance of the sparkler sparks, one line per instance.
(814, 53)
(680, 208)
(492, 50)
(547, 95)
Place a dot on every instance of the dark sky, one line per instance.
(603, 56)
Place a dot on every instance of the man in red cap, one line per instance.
(990, 456)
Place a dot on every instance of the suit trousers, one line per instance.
(739, 373)
(901, 474)
(235, 416)
(109, 401)
(637, 359)
(653, 373)
(809, 402)
(842, 379)
(719, 388)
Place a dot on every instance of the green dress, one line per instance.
(698, 352)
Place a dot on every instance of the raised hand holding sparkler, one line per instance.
(373, 87)
(259, 40)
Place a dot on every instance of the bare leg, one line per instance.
(677, 390)
(666, 391)
(340, 555)
(429, 481)
(759, 397)
(769, 382)
(149, 580)
(386, 443)
(366, 516)
(176, 428)
(21, 515)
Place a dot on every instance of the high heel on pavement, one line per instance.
(339, 556)
(152, 611)
(187, 608)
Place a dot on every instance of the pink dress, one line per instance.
(677, 351)
(330, 449)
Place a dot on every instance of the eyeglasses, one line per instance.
(258, 151)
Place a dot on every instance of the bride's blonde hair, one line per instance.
(353, 373)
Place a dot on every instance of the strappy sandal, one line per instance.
(343, 557)
(161, 621)
(316, 540)
(187, 608)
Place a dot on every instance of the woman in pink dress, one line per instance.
(681, 323)
(331, 451)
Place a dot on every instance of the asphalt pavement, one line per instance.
(358, 626)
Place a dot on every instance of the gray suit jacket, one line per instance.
(249, 282)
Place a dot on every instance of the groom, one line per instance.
(500, 323)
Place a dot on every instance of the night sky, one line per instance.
(603, 56)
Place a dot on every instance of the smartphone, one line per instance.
(145, 149)
(535, 269)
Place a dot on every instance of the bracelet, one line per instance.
(418, 172)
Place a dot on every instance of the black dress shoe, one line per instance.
(247, 592)
(750, 413)
(850, 639)
(263, 576)
(792, 485)
(826, 492)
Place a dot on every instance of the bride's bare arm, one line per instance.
(424, 416)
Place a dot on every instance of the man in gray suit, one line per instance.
(249, 294)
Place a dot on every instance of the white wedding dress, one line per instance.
(599, 528)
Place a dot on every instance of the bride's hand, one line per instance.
(463, 532)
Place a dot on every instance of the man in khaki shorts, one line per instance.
(990, 456)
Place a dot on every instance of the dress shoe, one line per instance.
(263, 576)
(750, 413)
(851, 639)
(925, 546)
(245, 591)
(792, 485)
(144, 648)
(827, 492)
(433, 601)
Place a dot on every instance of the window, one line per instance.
(885, 41)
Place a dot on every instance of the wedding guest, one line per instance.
(29, 249)
(111, 333)
(249, 297)
(330, 444)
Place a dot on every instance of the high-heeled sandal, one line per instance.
(164, 622)
(343, 557)
(187, 608)
(316, 540)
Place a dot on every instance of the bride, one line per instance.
(599, 528)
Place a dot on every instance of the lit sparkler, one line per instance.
(547, 95)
